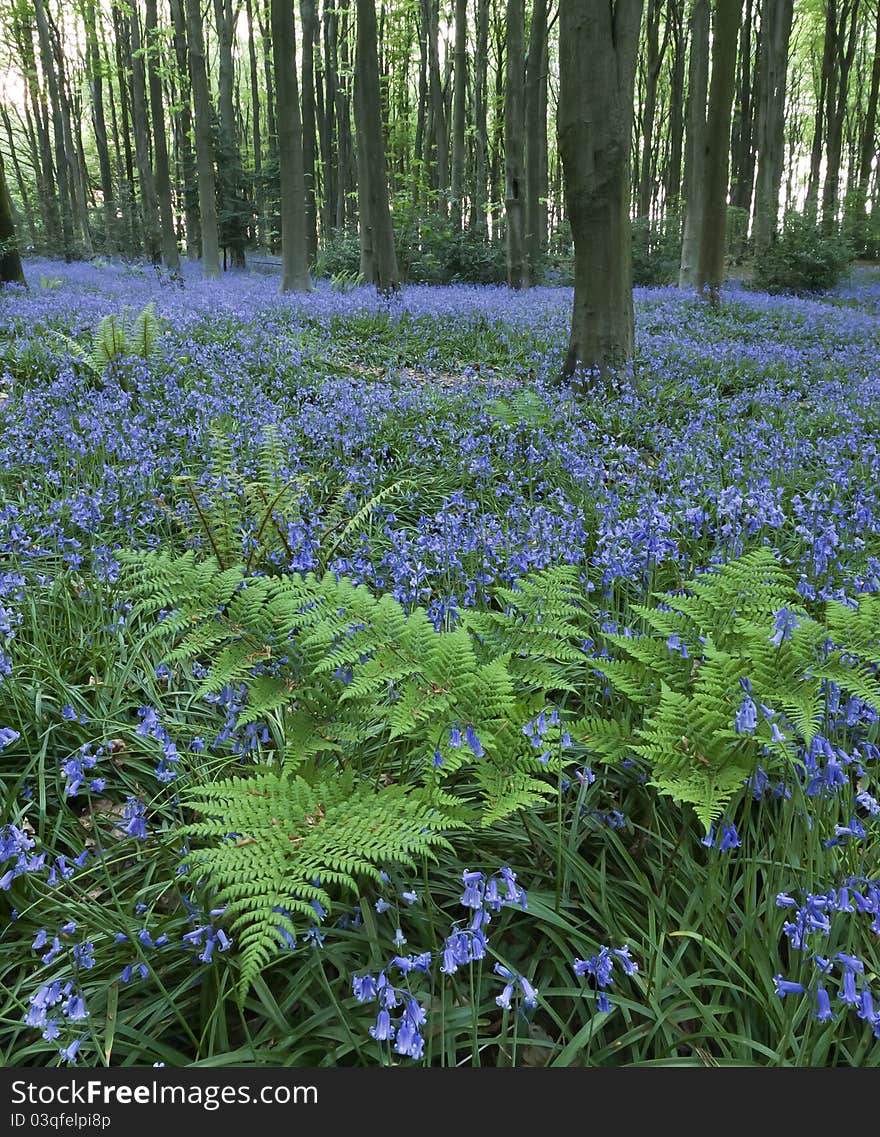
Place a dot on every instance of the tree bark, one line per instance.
(459, 98)
(204, 140)
(170, 252)
(695, 142)
(773, 62)
(481, 123)
(182, 130)
(710, 271)
(294, 251)
(149, 197)
(62, 165)
(256, 131)
(535, 94)
(11, 271)
(96, 91)
(595, 138)
(309, 26)
(378, 257)
(514, 146)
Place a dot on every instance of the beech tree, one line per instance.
(11, 271)
(294, 250)
(595, 117)
(378, 255)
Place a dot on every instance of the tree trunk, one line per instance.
(695, 143)
(256, 132)
(378, 257)
(459, 99)
(438, 129)
(595, 138)
(710, 270)
(149, 198)
(676, 108)
(232, 221)
(182, 130)
(294, 251)
(310, 27)
(62, 164)
(96, 91)
(535, 94)
(203, 139)
(481, 123)
(11, 271)
(837, 91)
(773, 62)
(170, 252)
(514, 139)
(654, 53)
(327, 122)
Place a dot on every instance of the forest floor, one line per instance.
(427, 449)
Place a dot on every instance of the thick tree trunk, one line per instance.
(710, 270)
(535, 94)
(11, 271)
(170, 252)
(378, 256)
(514, 147)
(204, 140)
(294, 251)
(595, 129)
(773, 62)
(459, 99)
(868, 148)
(695, 142)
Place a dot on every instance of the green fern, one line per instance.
(272, 844)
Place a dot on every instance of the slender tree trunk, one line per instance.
(695, 142)
(439, 132)
(481, 123)
(256, 132)
(535, 95)
(378, 257)
(183, 130)
(595, 139)
(310, 28)
(868, 147)
(149, 197)
(676, 108)
(62, 166)
(514, 146)
(229, 169)
(203, 139)
(654, 53)
(710, 270)
(459, 98)
(835, 113)
(773, 62)
(294, 249)
(345, 156)
(327, 122)
(170, 253)
(96, 91)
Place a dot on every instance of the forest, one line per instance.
(439, 533)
